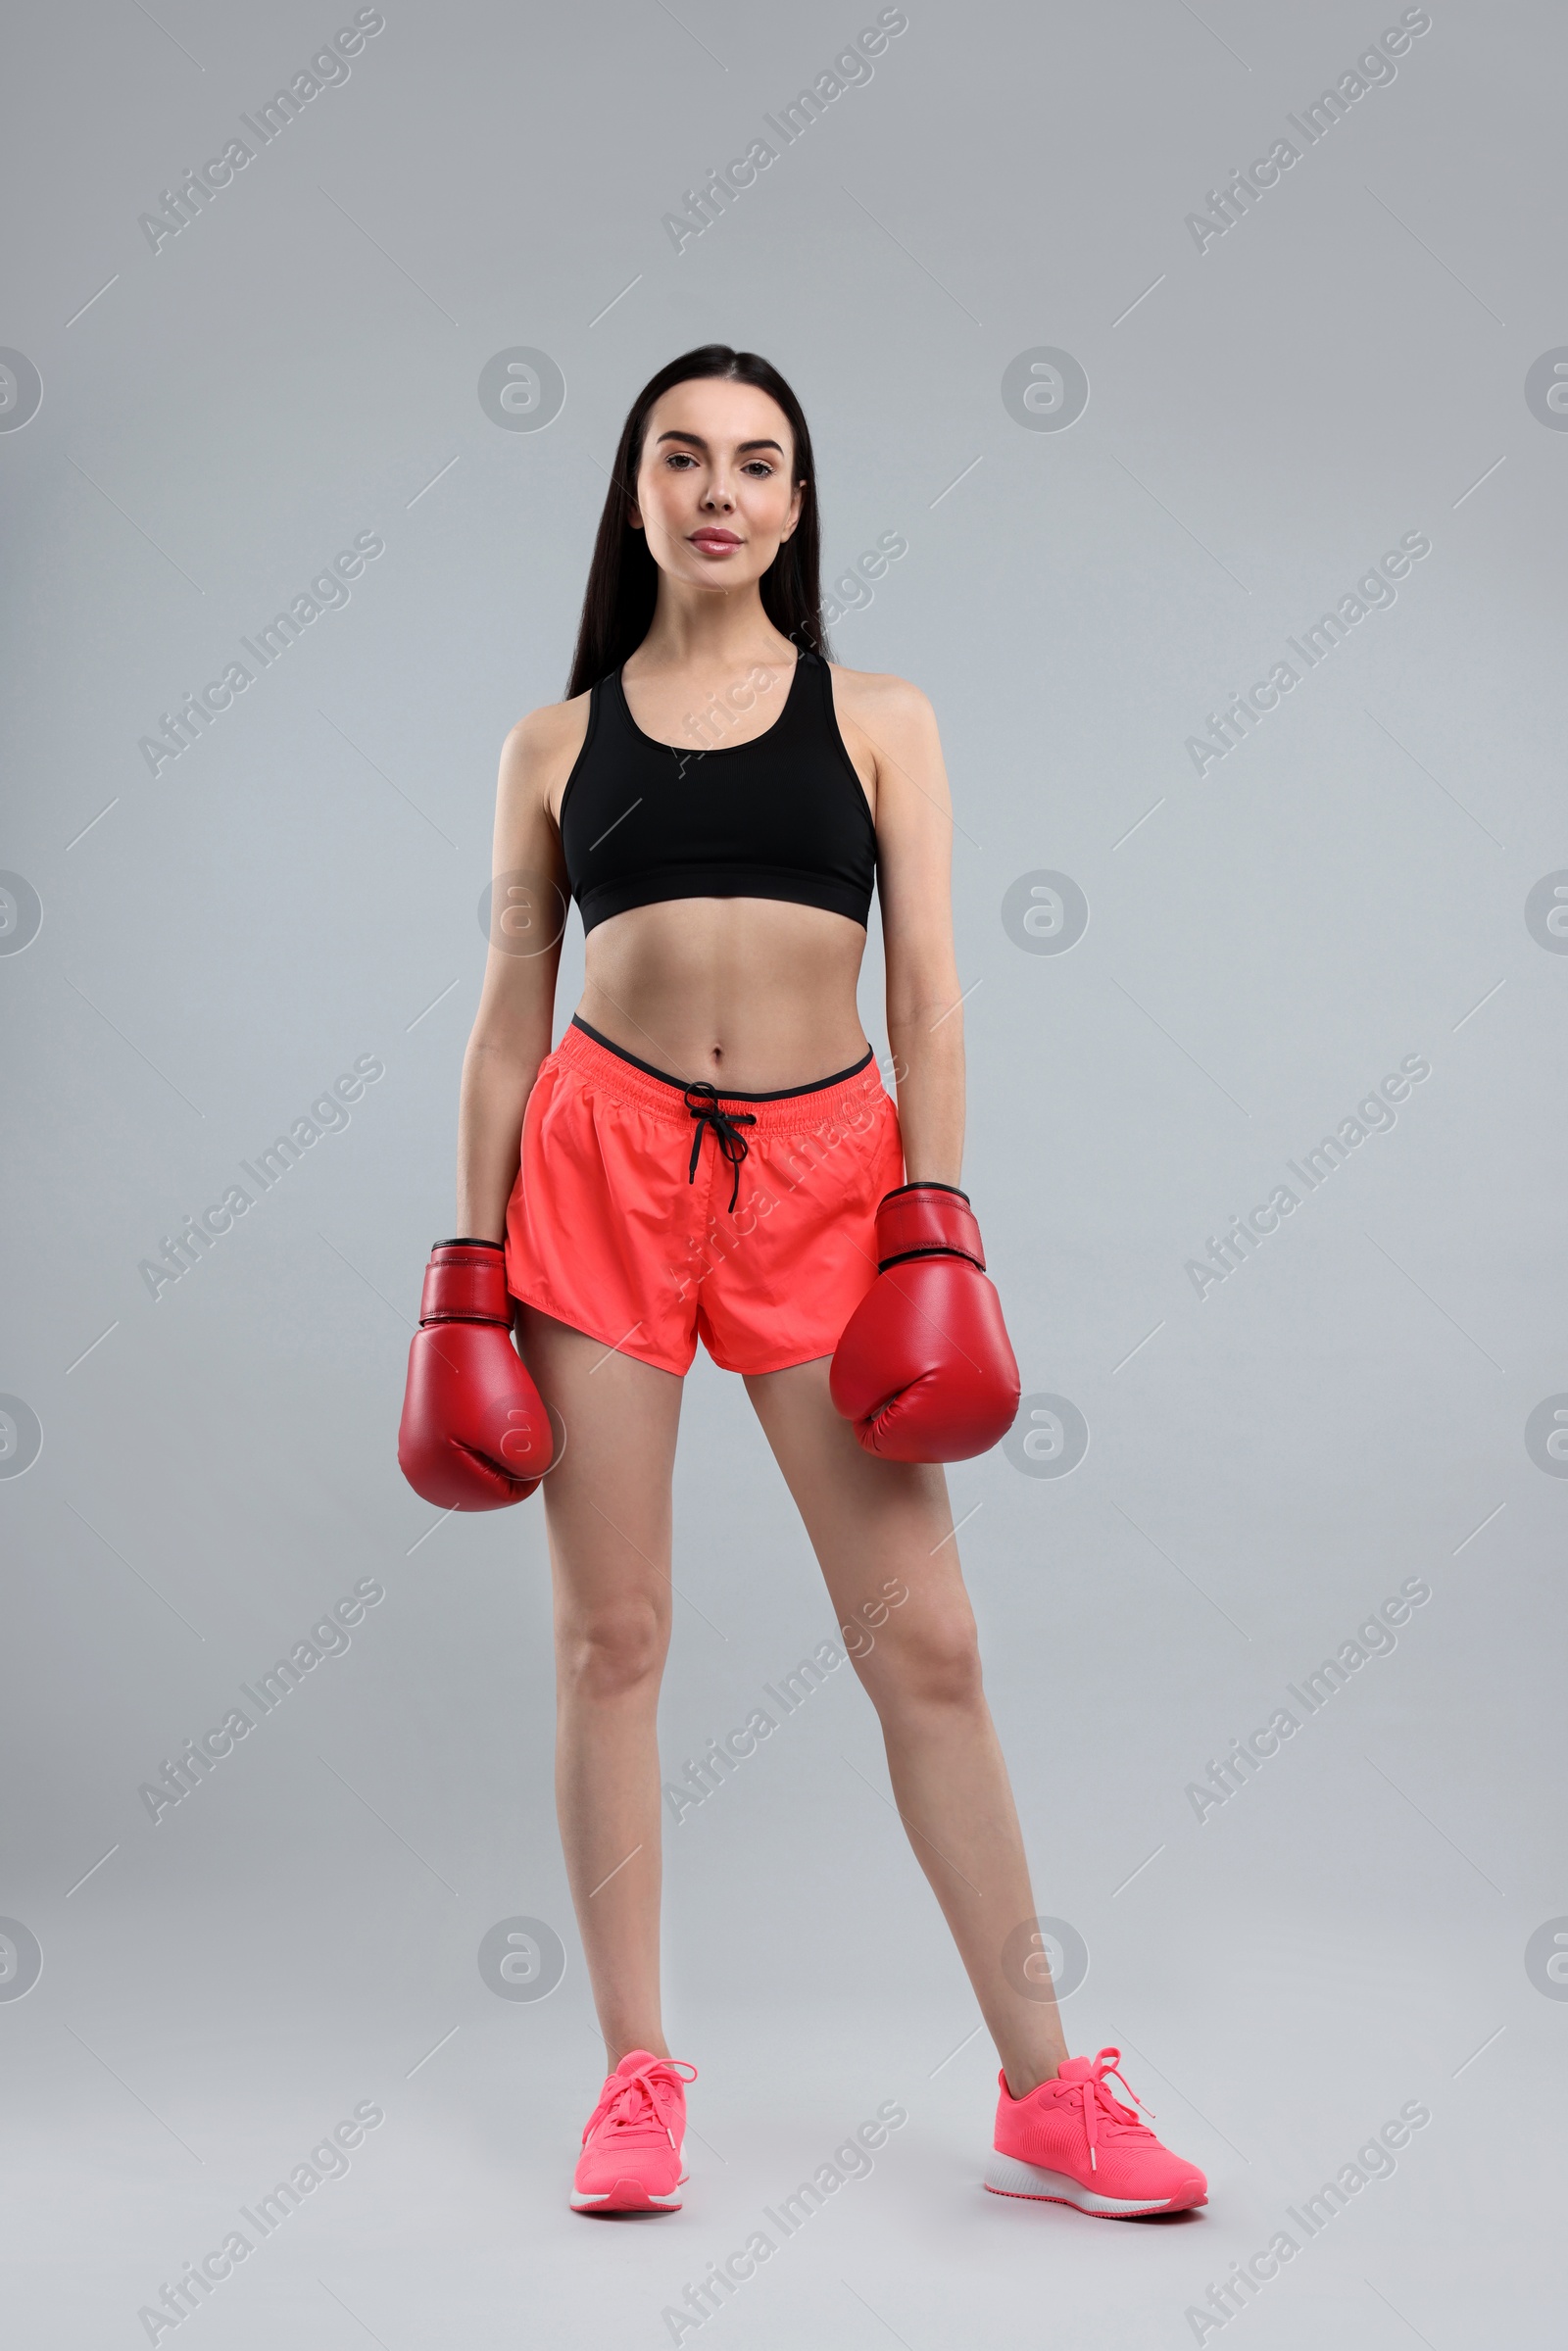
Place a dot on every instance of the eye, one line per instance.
(758, 465)
(679, 456)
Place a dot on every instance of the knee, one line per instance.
(612, 1651)
(933, 1663)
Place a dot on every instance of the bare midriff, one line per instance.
(754, 994)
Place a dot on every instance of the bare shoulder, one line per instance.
(551, 729)
(541, 750)
(881, 704)
(890, 732)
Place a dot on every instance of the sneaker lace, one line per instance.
(634, 2100)
(1102, 2110)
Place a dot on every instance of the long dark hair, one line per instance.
(618, 606)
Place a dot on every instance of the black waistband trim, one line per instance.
(724, 1094)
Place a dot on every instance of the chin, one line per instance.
(722, 578)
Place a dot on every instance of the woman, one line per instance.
(719, 801)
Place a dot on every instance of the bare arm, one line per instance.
(512, 1033)
(914, 881)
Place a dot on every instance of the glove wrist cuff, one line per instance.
(927, 1220)
(466, 1281)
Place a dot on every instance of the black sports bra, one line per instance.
(783, 815)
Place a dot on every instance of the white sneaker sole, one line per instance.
(1007, 2176)
(630, 2195)
(627, 2195)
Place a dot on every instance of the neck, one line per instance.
(710, 629)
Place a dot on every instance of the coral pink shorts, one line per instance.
(649, 1214)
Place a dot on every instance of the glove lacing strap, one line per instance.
(1099, 2101)
(927, 1220)
(648, 2094)
(726, 1125)
(466, 1281)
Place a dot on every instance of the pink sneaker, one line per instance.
(633, 2140)
(1072, 2141)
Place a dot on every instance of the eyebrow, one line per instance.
(697, 442)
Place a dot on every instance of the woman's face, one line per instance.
(713, 488)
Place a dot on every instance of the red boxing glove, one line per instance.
(474, 1435)
(924, 1368)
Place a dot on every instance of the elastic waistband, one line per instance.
(794, 1109)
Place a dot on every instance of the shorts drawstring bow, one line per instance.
(726, 1125)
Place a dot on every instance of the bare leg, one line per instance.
(608, 1516)
(874, 1523)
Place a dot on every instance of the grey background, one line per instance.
(1344, 888)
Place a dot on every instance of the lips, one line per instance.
(717, 542)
